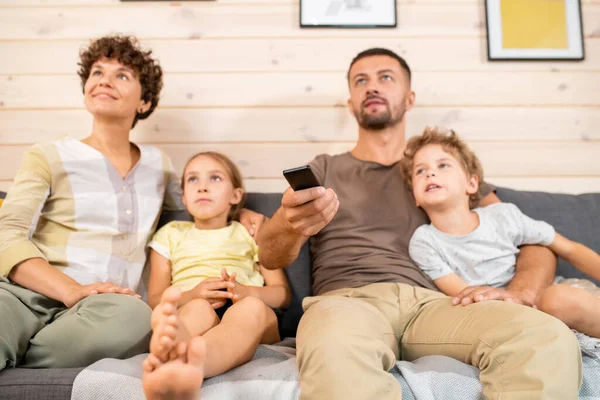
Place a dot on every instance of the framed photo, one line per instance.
(534, 30)
(348, 13)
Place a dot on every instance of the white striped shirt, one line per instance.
(69, 205)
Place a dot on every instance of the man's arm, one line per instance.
(535, 269)
(536, 266)
(301, 215)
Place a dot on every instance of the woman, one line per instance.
(75, 224)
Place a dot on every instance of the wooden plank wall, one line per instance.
(243, 78)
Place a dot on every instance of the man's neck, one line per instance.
(384, 147)
(456, 221)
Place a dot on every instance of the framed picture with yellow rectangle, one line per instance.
(534, 30)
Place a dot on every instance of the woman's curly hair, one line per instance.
(452, 144)
(127, 51)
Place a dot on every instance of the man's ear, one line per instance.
(236, 196)
(473, 184)
(350, 108)
(411, 99)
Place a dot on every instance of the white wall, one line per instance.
(243, 78)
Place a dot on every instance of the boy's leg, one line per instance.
(521, 352)
(346, 346)
(99, 326)
(577, 308)
(22, 314)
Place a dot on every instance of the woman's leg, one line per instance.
(577, 308)
(19, 323)
(99, 326)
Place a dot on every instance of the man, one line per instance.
(373, 305)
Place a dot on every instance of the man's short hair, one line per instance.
(378, 51)
(451, 144)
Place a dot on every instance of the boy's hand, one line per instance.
(238, 290)
(214, 290)
(80, 292)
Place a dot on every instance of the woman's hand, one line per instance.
(80, 292)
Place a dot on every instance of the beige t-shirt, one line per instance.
(367, 241)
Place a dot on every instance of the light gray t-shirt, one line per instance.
(486, 256)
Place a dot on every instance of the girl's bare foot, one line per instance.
(176, 379)
(169, 335)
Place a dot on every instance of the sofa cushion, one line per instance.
(34, 384)
(299, 273)
(575, 216)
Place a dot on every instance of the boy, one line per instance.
(466, 247)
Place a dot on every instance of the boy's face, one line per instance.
(208, 192)
(439, 181)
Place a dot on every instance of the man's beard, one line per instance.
(379, 121)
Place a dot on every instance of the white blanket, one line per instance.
(272, 374)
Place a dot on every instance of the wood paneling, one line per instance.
(243, 78)
(215, 20)
(310, 124)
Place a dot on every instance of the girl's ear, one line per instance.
(473, 184)
(236, 196)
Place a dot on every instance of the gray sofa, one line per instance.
(577, 217)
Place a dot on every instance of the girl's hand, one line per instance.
(238, 290)
(80, 292)
(251, 220)
(214, 290)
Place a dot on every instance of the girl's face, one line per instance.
(113, 91)
(208, 192)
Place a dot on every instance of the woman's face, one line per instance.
(113, 91)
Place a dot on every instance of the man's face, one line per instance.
(379, 92)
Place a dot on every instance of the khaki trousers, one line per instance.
(348, 339)
(38, 332)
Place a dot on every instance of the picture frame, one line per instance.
(534, 30)
(348, 14)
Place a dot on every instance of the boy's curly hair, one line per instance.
(127, 51)
(451, 144)
(232, 171)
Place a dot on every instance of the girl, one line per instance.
(213, 303)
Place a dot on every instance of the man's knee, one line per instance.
(334, 325)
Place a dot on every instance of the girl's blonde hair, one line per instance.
(232, 171)
(451, 144)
